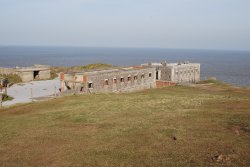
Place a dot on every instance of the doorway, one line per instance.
(36, 74)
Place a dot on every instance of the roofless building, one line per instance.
(128, 79)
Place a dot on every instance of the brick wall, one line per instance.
(160, 84)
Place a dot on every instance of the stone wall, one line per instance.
(160, 84)
(186, 73)
(166, 74)
(176, 72)
(111, 81)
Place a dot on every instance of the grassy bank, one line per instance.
(208, 125)
(97, 66)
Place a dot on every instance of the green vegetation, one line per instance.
(206, 125)
(212, 81)
(13, 78)
(56, 70)
(91, 67)
(6, 98)
(53, 72)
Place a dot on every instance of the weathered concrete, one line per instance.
(30, 91)
(29, 73)
(181, 73)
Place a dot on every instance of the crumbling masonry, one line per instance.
(146, 76)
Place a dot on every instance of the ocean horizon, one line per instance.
(226, 65)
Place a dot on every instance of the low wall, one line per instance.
(44, 74)
(26, 76)
(160, 84)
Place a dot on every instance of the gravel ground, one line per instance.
(25, 92)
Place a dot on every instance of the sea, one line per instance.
(232, 67)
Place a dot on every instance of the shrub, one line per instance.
(6, 97)
(12, 78)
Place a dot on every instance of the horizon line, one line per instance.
(125, 47)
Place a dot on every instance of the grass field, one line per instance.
(205, 125)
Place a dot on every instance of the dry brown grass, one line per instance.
(174, 126)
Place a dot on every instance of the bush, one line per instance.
(12, 78)
(6, 97)
(53, 74)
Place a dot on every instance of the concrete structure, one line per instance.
(112, 80)
(146, 76)
(32, 91)
(28, 73)
(179, 73)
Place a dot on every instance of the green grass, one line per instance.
(91, 67)
(55, 70)
(7, 98)
(173, 126)
(212, 81)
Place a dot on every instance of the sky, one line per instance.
(188, 24)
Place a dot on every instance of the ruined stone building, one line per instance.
(179, 73)
(28, 73)
(112, 80)
(146, 76)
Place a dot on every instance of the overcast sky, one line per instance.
(194, 24)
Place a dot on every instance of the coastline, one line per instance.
(229, 66)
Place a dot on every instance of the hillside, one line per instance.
(205, 125)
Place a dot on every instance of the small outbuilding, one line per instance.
(36, 72)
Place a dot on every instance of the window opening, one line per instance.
(90, 85)
(106, 82)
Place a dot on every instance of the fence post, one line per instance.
(1, 99)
